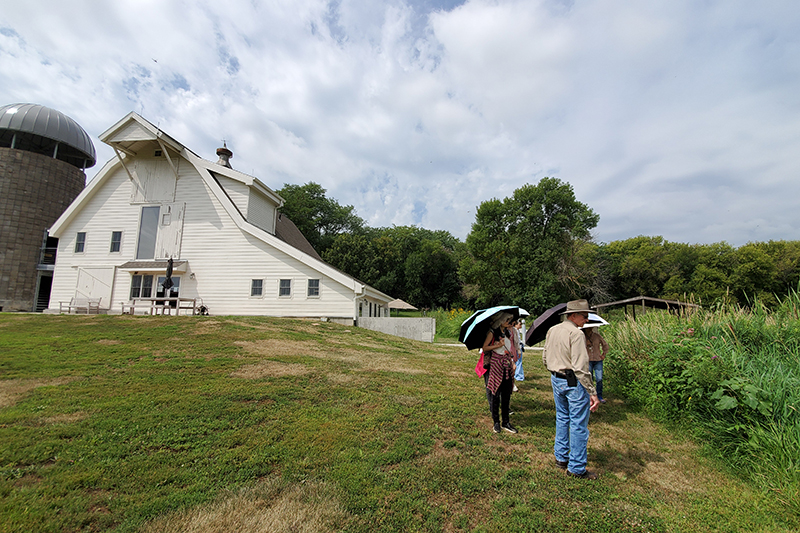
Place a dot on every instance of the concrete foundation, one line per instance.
(418, 329)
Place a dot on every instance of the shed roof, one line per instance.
(400, 304)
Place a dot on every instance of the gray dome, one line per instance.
(38, 121)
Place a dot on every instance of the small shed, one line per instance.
(643, 302)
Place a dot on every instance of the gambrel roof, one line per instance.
(133, 134)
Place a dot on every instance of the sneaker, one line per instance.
(602, 400)
(586, 474)
(515, 389)
(497, 427)
(508, 427)
(562, 464)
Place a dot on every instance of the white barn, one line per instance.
(232, 252)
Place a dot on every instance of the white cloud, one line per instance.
(671, 118)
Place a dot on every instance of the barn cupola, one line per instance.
(224, 155)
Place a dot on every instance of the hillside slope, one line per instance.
(253, 424)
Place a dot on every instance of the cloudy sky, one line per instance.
(678, 118)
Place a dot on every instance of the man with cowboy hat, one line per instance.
(566, 358)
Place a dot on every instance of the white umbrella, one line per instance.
(594, 321)
(523, 312)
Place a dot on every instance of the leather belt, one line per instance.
(559, 375)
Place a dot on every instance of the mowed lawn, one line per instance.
(177, 424)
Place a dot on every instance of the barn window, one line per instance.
(313, 288)
(257, 287)
(116, 241)
(141, 286)
(285, 288)
(148, 231)
(80, 242)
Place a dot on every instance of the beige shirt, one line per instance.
(565, 348)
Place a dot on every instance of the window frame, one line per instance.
(281, 288)
(111, 249)
(318, 288)
(80, 242)
(145, 284)
(145, 249)
(260, 288)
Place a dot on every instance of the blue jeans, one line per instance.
(596, 370)
(572, 424)
(520, 374)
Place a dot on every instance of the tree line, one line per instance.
(535, 249)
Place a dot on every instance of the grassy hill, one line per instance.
(212, 424)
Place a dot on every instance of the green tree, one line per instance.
(520, 248)
(641, 266)
(786, 255)
(410, 263)
(711, 279)
(431, 278)
(354, 255)
(754, 274)
(319, 218)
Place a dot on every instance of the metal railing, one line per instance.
(47, 256)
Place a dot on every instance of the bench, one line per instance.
(88, 306)
(162, 306)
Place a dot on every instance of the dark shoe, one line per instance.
(497, 427)
(586, 475)
(508, 427)
(602, 400)
(562, 464)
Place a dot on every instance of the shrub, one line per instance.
(732, 375)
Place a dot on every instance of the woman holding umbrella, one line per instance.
(501, 369)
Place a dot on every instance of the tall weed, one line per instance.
(448, 322)
(731, 374)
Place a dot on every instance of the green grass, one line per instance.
(116, 423)
(731, 376)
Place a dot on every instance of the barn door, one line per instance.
(96, 283)
(170, 231)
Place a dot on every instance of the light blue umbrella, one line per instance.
(474, 329)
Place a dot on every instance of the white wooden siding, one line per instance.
(261, 212)
(109, 209)
(132, 132)
(223, 258)
(237, 191)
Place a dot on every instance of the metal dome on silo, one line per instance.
(39, 129)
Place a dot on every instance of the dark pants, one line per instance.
(489, 394)
(502, 400)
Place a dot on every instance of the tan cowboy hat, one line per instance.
(576, 306)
